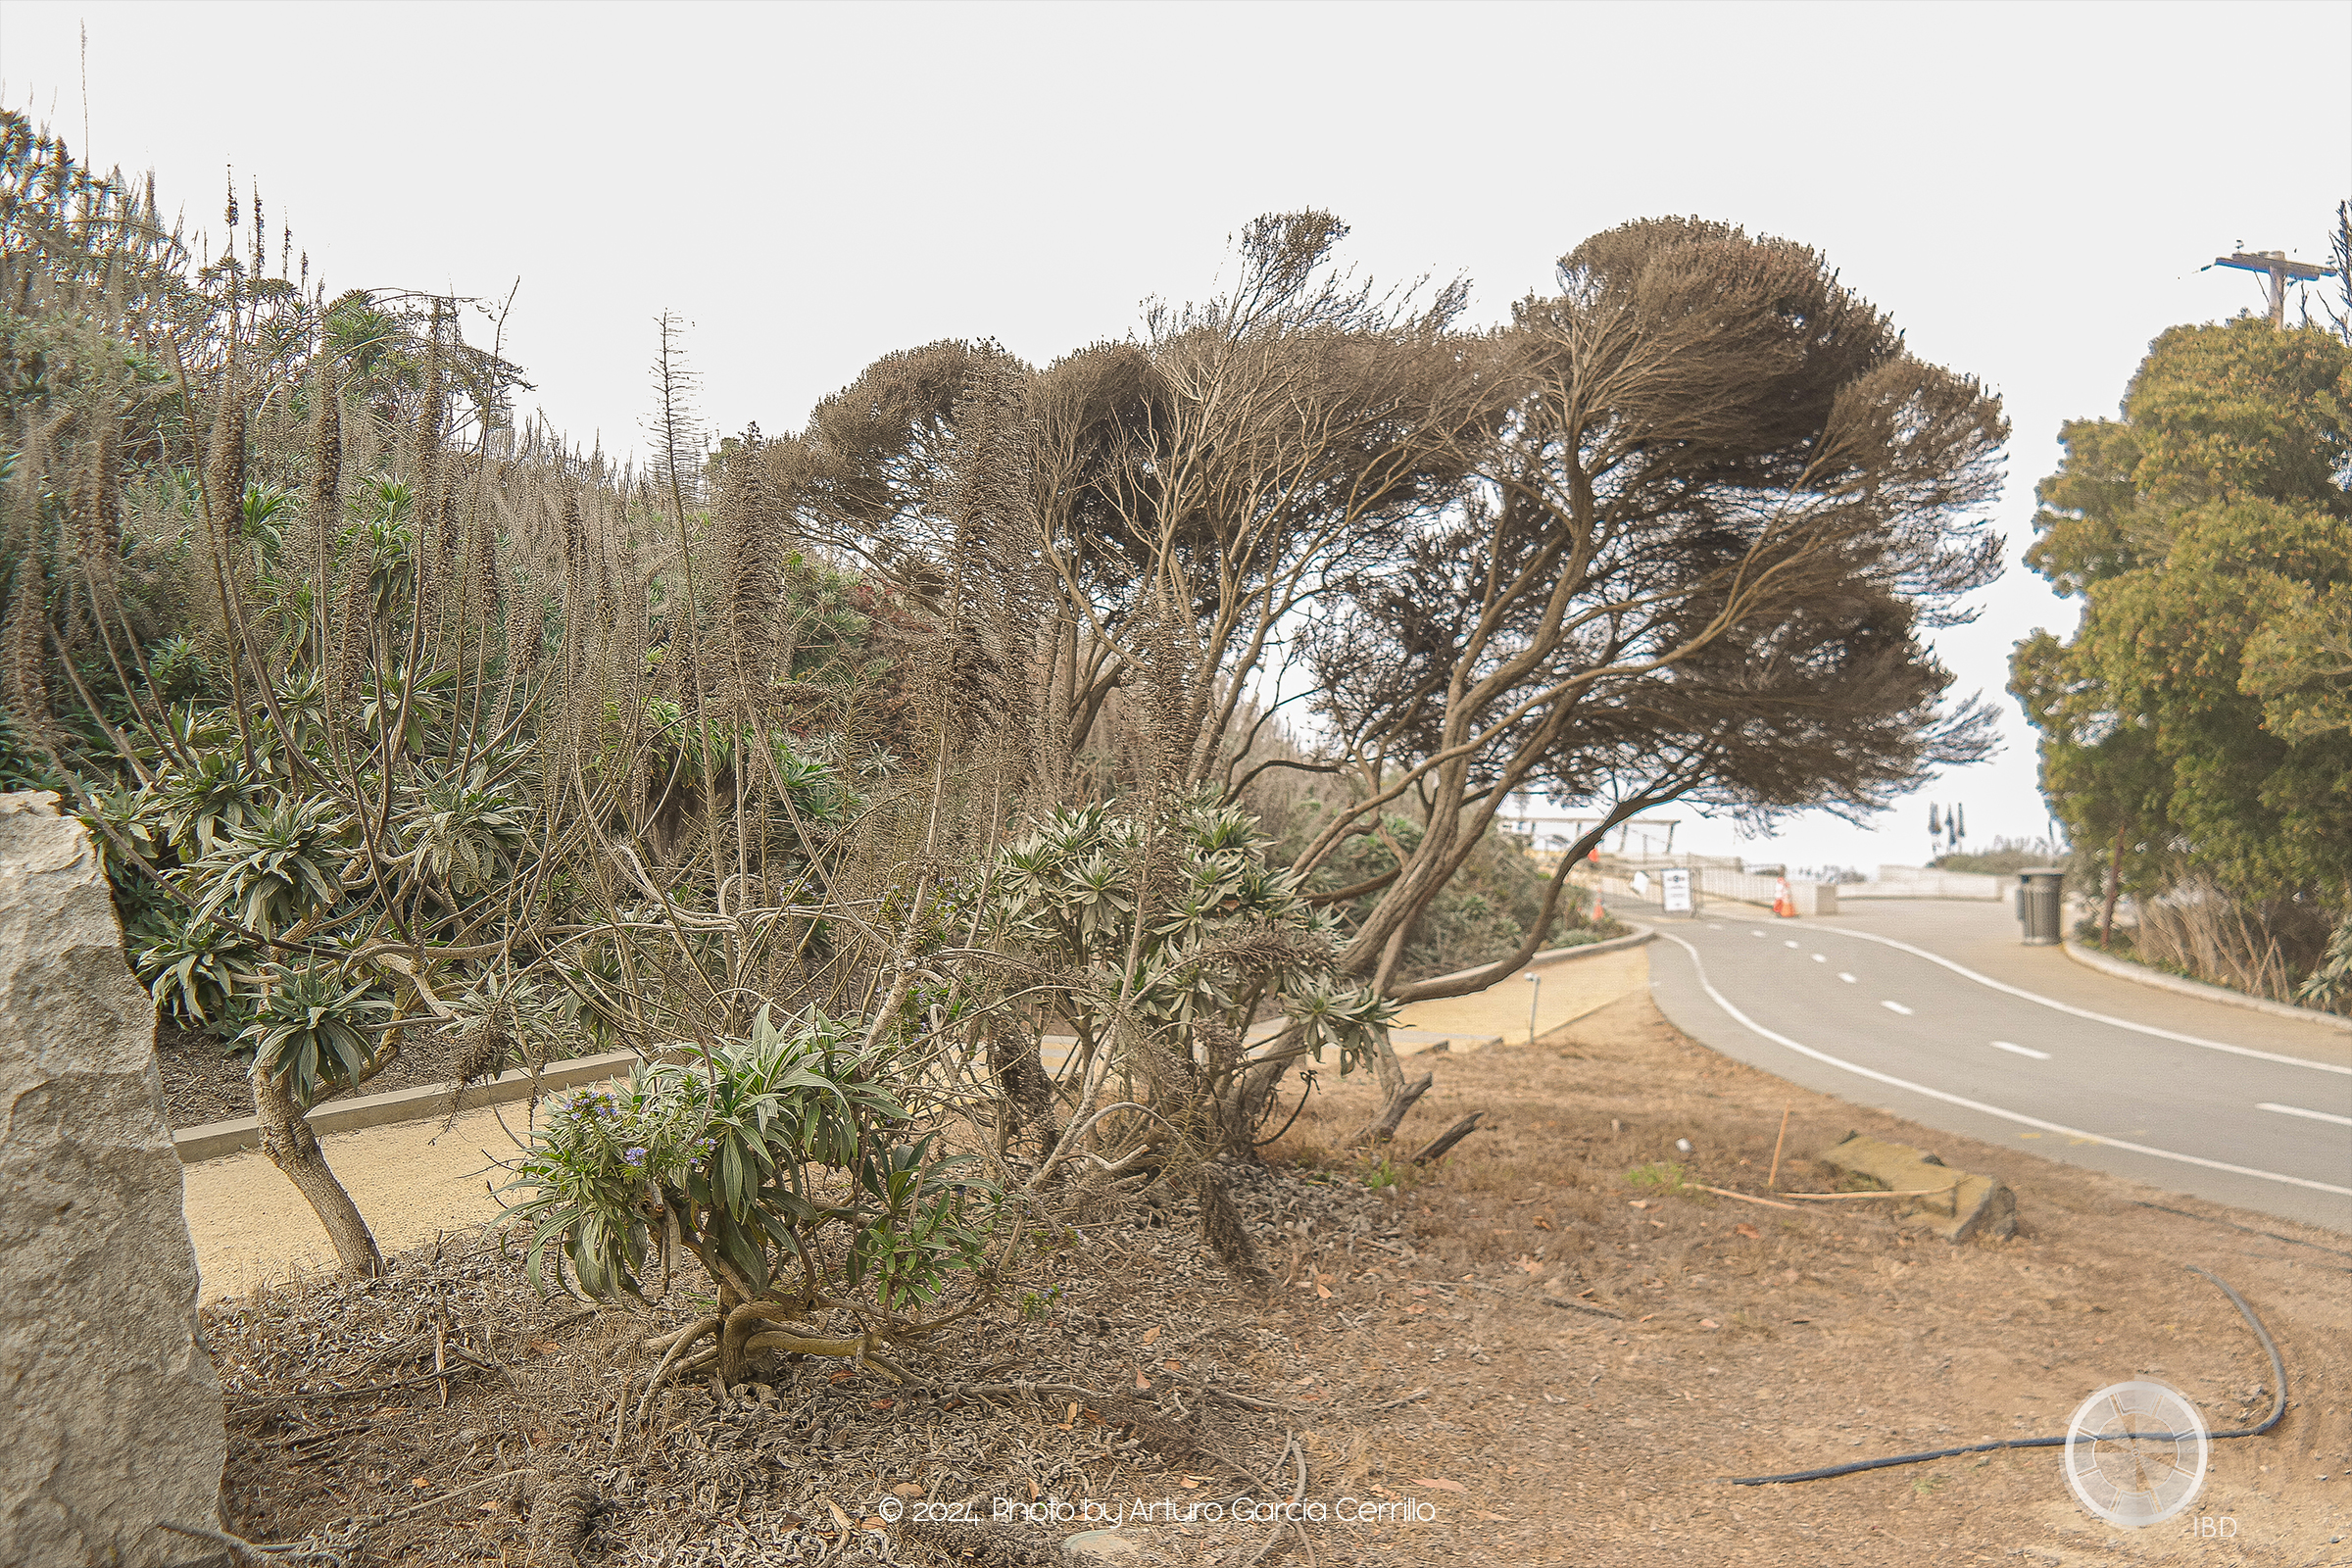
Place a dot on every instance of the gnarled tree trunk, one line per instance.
(287, 1139)
(1397, 1097)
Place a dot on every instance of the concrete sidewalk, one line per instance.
(1498, 1014)
(412, 1181)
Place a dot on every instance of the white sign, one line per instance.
(1640, 884)
(1678, 892)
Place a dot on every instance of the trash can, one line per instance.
(2041, 905)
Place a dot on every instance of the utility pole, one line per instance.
(2278, 270)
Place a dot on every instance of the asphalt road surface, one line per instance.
(1935, 1011)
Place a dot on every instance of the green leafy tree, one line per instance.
(2194, 725)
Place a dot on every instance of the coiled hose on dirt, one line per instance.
(2278, 1410)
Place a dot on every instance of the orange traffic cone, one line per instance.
(1782, 904)
(1598, 913)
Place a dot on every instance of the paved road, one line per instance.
(2025, 1047)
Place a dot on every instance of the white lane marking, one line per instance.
(1848, 978)
(1820, 958)
(1896, 1006)
(2095, 1018)
(1724, 1002)
(1788, 943)
(1714, 925)
(2023, 1051)
(1756, 933)
(2315, 1115)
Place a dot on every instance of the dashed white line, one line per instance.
(2096, 1017)
(1821, 957)
(1848, 978)
(2023, 1051)
(1896, 1006)
(1756, 933)
(2298, 1110)
(1823, 1057)
(1788, 943)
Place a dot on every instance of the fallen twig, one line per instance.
(364, 1387)
(243, 1553)
(446, 1497)
(1449, 1137)
(1391, 1404)
(1245, 1402)
(1724, 1192)
(1578, 1306)
(984, 1391)
(303, 1438)
(1908, 1192)
(1290, 1450)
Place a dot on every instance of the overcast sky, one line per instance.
(2030, 189)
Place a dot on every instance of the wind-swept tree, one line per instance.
(1676, 531)
(1693, 558)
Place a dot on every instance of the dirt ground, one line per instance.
(1520, 1355)
(204, 1082)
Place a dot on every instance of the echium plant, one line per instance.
(1165, 941)
(787, 1163)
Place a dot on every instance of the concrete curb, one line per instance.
(216, 1139)
(1552, 956)
(213, 1139)
(2123, 969)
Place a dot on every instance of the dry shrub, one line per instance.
(2257, 947)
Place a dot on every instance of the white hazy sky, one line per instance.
(2031, 189)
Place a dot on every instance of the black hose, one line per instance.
(2278, 1410)
(2270, 1346)
(1286, 1126)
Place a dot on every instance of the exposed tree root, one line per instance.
(740, 1332)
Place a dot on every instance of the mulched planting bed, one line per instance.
(203, 1082)
(1123, 1367)
(1529, 1353)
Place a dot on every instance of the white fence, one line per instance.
(1912, 882)
(1718, 881)
(1720, 877)
(1721, 882)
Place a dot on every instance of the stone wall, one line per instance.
(110, 1412)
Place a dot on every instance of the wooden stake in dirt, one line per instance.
(1771, 1183)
